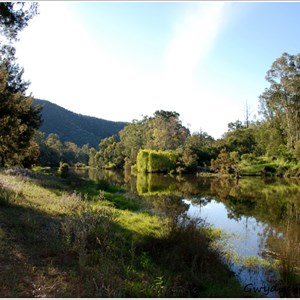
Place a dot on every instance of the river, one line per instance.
(258, 218)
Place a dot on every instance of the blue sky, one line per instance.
(121, 60)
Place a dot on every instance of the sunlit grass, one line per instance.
(142, 223)
(65, 237)
(269, 166)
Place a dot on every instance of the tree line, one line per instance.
(163, 131)
(53, 151)
(276, 134)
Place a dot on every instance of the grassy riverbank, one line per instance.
(69, 237)
(268, 166)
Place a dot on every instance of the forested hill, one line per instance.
(73, 127)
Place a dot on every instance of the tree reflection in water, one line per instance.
(273, 202)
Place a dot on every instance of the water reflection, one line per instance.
(261, 217)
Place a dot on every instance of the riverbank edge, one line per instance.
(145, 240)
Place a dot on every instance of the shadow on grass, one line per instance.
(89, 254)
(30, 251)
(195, 269)
(79, 255)
(52, 181)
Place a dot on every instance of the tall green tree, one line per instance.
(92, 157)
(18, 118)
(14, 17)
(53, 151)
(280, 102)
(270, 138)
(240, 138)
(18, 123)
(15, 82)
(201, 144)
(132, 139)
(109, 155)
(226, 163)
(165, 131)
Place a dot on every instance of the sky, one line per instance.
(121, 61)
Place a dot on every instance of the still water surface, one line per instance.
(259, 219)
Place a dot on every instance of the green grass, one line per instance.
(265, 166)
(70, 237)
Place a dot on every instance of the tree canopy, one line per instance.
(18, 121)
(18, 118)
(280, 102)
(277, 134)
(14, 17)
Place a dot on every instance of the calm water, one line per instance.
(259, 219)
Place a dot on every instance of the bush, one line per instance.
(268, 170)
(282, 170)
(296, 152)
(151, 161)
(134, 170)
(285, 153)
(249, 157)
(226, 163)
(293, 172)
(63, 169)
(6, 195)
(185, 249)
(142, 161)
(87, 229)
(79, 165)
(162, 161)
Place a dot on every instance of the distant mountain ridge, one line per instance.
(76, 128)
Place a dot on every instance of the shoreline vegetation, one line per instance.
(56, 241)
(64, 236)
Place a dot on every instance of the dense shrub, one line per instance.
(226, 163)
(142, 161)
(151, 161)
(249, 157)
(162, 161)
(79, 165)
(63, 169)
(268, 170)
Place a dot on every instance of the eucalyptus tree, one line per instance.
(280, 102)
(165, 131)
(240, 139)
(110, 154)
(133, 138)
(162, 131)
(201, 144)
